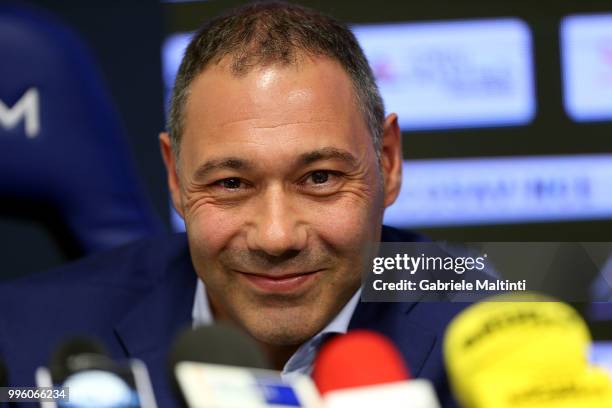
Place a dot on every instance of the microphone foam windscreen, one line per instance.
(59, 363)
(217, 344)
(513, 340)
(358, 358)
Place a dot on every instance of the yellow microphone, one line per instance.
(589, 388)
(523, 350)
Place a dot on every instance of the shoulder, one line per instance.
(98, 284)
(92, 292)
(87, 297)
(140, 263)
(95, 290)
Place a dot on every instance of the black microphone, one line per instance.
(75, 354)
(220, 366)
(217, 344)
(93, 379)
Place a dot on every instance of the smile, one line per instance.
(280, 284)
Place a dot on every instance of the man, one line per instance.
(281, 162)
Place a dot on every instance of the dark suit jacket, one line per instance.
(135, 299)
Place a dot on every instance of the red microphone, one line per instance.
(364, 369)
(357, 359)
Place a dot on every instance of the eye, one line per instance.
(319, 176)
(322, 180)
(233, 183)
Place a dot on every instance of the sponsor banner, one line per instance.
(586, 51)
(453, 74)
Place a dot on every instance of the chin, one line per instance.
(282, 331)
(279, 338)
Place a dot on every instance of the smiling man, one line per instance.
(276, 173)
(281, 162)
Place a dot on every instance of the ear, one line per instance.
(391, 159)
(172, 175)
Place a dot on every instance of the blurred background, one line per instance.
(505, 109)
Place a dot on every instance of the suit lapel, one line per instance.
(413, 339)
(398, 321)
(148, 329)
(154, 321)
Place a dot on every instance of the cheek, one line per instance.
(349, 223)
(210, 229)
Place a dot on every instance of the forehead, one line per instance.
(311, 102)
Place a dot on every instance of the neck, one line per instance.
(277, 355)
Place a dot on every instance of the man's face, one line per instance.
(281, 192)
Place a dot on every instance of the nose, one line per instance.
(277, 228)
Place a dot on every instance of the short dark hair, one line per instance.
(264, 33)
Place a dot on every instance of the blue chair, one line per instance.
(62, 146)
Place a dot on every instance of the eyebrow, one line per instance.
(327, 153)
(236, 163)
(231, 163)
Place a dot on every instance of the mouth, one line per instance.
(286, 283)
